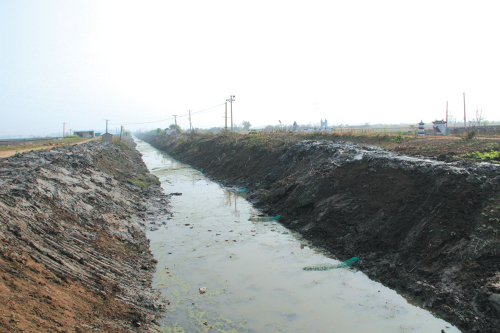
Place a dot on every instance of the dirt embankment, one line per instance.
(74, 256)
(13, 149)
(424, 227)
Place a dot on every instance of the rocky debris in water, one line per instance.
(82, 222)
(203, 290)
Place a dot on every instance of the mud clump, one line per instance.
(424, 227)
(74, 256)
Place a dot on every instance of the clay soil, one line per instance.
(425, 226)
(6, 151)
(447, 148)
(73, 252)
(34, 299)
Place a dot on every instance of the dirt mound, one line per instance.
(421, 226)
(74, 256)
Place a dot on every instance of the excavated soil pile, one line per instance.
(424, 227)
(74, 256)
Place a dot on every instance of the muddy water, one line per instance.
(252, 269)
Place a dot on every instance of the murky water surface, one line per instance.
(252, 270)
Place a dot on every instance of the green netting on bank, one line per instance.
(264, 218)
(324, 267)
(241, 191)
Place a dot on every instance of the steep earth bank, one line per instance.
(74, 256)
(424, 227)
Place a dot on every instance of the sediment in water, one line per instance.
(74, 256)
(425, 227)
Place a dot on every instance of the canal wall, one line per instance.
(74, 256)
(426, 228)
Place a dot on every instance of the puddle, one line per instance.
(252, 269)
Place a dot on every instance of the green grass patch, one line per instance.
(484, 156)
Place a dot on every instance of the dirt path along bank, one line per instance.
(11, 152)
(424, 227)
(73, 252)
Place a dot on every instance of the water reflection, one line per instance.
(228, 199)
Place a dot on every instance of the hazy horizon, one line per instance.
(139, 63)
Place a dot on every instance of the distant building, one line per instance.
(439, 126)
(107, 137)
(421, 129)
(85, 134)
(170, 131)
(295, 127)
(324, 124)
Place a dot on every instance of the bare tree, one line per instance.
(479, 116)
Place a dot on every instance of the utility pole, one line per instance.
(465, 119)
(121, 131)
(225, 116)
(64, 128)
(106, 125)
(190, 125)
(446, 117)
(175, 117)
(231, 100)
(447, 112)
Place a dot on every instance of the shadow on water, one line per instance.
(252, 269)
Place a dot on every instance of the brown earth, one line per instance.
(446, 148)
(74, 256)
(421, 226)
(34, 299)
(22, 148)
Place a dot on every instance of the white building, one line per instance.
(439, 126)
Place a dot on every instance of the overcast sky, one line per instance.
(351, 62)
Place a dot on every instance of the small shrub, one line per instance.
(398, 138)
(469, 134)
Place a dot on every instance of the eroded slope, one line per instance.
(72, 224)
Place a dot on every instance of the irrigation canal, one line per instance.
(251, 268)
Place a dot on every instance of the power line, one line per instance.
(176, 116)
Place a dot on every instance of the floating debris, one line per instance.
(241, 191)
(324, 267)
